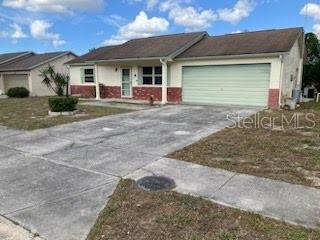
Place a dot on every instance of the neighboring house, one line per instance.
(252, 68)
(23, 69)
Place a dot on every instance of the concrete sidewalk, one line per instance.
(291, 203)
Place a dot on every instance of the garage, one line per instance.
(246, 84)
(11, 81)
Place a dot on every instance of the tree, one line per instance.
(311, 72)
(57, 82)
(312, 48)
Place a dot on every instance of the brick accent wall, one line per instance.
(144, 93)
(174, 95)
(138, 93)
(273, 101)
(83, 91)
(90, 91)
(111, 92)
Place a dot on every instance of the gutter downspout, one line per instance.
(164, 80)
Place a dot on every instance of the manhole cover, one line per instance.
(156, 183)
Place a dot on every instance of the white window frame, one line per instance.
(88, 75)
(153, 75)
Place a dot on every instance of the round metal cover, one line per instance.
(156, 183)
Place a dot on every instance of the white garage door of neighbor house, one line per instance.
(226, 84)
(11, 81)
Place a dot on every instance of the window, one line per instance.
(152, 75)
(89, 75)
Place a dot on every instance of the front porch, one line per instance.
(140, 80)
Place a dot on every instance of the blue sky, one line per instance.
(79, 25)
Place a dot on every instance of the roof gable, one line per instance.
(31, 61)
(7, 57)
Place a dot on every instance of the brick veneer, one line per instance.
(111, 92)
(144, 93)
(83, 91)
(273, 100)
(138, 93)
(174, 95)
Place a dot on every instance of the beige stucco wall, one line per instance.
(176, 68)
(36, 86)
(291, 65)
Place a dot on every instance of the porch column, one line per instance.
(164, 81)
(96, 78)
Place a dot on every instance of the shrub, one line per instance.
(62, 104)
(18, 92)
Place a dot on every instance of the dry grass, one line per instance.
(287, 154)
(32, 113)
(138, 215)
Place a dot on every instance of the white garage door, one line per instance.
(226, 84)
(11, 81)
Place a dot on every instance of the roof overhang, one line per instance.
(260, 55)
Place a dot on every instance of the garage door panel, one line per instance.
(230, 84)
(15, 80)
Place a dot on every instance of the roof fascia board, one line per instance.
(260, 55)
(124, 59)
(14, 72)
(187, 46)
(16, 57)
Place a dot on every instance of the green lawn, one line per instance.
(136, 214)
(289, 154)
(32, 113)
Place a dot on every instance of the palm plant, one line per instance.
(55, 81)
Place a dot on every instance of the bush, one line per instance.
(18, 92)
(62, 104)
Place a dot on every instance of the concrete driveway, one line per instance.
(55, 181)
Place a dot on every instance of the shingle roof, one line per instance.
(159, 46)
(9, 56)
(91, 55)
(269, 41)
(30, 61)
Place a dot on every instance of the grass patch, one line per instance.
(32, 113)
(136, 214)
(287, 154)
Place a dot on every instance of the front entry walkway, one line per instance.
(55, 181)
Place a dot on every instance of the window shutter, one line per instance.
(82, 74)
(169, 75)
(140, 76)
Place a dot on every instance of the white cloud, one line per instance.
(115, 20)
(17, 32)
(188, 16)
(141, 26)
(60, 6)
(311, 10)
(242, 9)
(150, 3)
(316, 29)
(13, 32)
(238, 31)
(39, 30)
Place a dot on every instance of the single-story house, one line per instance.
(252, 68)
(22, 70)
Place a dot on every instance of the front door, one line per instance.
(126, 82)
